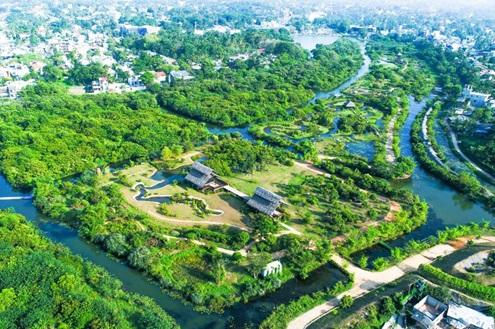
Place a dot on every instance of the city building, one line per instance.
(429, 312)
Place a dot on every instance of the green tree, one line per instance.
(258, 262)
(346, 301)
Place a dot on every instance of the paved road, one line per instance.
(455, 142)
(366, 281)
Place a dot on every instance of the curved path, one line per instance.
(424, 127)
(455, 142)
(389, 146)
(367, 281)
(130, 198)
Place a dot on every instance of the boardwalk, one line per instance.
(235, 191)
(11, 198)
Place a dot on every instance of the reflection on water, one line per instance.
(446, 206)
(309, 41)
(238, 316)
(243, 132)
(337, 91)
(365, 149)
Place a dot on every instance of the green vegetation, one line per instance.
(261, 88)
(377, 314)
(197, 274)
(329, 206)
(405, 220)
(283, 314)
(413, 247)
(50, 135)
(470, 288)
(463, 182)
(233, 155)
(42, 285)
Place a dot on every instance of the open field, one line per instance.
(272, 178)
(226, 208)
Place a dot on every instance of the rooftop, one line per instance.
(462, 317)
(265, 201)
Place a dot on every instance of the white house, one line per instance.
(100, 86)
(274, 267)
(475, 98)
(429, 312)
(179, 75)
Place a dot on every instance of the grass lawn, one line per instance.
(230, 205)
(272, 178)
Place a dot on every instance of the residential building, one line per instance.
(179, 75)
(160, 76)
(462, 317)
(429, 312)
(126, 29)
(100, 86)
(476, 99)
(135, 83)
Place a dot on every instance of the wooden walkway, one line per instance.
(10, 198)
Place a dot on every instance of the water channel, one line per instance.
(240, 315)
(446, 208)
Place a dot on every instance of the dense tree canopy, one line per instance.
(42, 285)
(52, 134)
(277, 74)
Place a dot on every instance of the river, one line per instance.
(240, 315)
(446, 208)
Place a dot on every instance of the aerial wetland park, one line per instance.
(245, 164)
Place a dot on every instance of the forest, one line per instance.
(42, 285)
(234, 155)
(275, 78)
(49, 134)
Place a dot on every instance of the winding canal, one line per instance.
(446, 208)
(240, 315)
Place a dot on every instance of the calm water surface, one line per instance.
(446, 208)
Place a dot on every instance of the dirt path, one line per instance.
(312, 168)
(367, 281)
(389, 146)
(131, 199)
(395, 207)
(424, 127)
